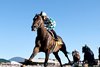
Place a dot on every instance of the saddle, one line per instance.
(57, 43)
(59, 40)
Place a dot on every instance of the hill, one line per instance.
(17, 59)
(4, 60)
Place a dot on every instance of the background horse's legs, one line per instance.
(46, 59)
(35, 51)
(57, 57)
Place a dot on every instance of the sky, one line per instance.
(78, 23)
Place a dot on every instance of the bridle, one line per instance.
(39, 22)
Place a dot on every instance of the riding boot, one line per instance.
(55, 35)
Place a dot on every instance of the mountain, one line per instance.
(4, 60)
(17, 59)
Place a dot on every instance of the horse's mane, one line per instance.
(88, 50)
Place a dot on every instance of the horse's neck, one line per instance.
(42, 31)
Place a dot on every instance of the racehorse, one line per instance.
(88, 55)
(76, 56)
(45, 42)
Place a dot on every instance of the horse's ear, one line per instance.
(37, 15)
(85, 44)
(41, 13)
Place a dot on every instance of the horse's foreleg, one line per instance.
(46, 59)
(35, 51)
(58, 58)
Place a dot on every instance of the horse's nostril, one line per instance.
(34, 26)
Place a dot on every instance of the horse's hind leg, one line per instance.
(63, 49)
(58, 58)
(35, 51)
(66, 56)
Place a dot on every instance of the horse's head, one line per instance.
(37, 21)
(75, 52)
(85, 49)
(76, 56)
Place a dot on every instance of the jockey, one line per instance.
(49, 24)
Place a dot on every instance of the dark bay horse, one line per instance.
(45, 42)
(88, 55)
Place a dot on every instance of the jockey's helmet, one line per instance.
(43, 13)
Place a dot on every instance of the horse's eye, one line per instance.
(35, 17)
